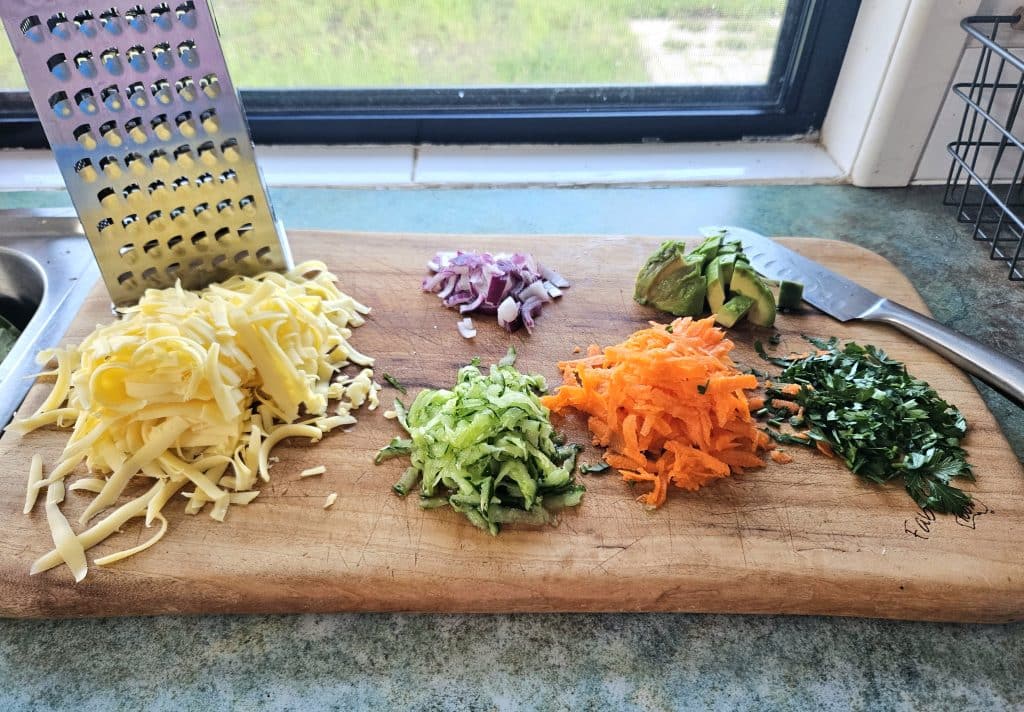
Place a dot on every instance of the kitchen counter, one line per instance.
(573, 661)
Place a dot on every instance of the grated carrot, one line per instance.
(669, 406)
(780, 457)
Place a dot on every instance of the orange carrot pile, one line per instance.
(668, 404)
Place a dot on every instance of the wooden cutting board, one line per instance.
(806, 538)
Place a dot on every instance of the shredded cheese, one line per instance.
(191, 391)
(331, 498)
(312, 471)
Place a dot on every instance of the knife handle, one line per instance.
(1001, 372)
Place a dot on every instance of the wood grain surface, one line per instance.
(803, 538)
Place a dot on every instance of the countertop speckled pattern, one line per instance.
(576, 662)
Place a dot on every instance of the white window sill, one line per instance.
(481, 166)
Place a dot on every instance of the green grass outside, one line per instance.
(401, 43)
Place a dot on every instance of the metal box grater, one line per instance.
(150, 137)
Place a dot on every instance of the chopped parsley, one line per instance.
(882, 422)
(393, 382)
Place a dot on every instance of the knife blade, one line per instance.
(844, 300)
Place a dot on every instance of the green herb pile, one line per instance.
(881, 421)
(486, 448)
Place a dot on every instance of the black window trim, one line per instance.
(792, 102)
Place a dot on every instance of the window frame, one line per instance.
(793, 102)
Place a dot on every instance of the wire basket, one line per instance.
(986, 175)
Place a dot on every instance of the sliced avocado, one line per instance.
(733, 310)
(790, 294)
(667, 259)
(708, 250)
(719, 274)
(671, 282)
(747, 282)
(728, 247)
(682, 295)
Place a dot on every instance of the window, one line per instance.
(459, 71)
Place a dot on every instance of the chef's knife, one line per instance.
(844, 300)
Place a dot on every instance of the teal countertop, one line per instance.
(571, 661)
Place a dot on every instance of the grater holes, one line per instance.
(129, 220)
(201, 240)
(222, 234)
(241, 256)
(128, 253)
(58, 66)
(207, 153)
(132, 191)
(175, 241)
(204, 180)
(110, 166)
(109, 133)
(60, 104)
(161, 129)
(183, 155)
(185, 124)
(86, 101)
(210, 121)
(150, 246)
(161, 15)
(110, 58)
(219, 261)
(201, 210)
(161, 91)
(196, 265)
(162, 55)
(155, 186)
(106, 194)
(225, 205)
(180, 183)
(158, 159)
(83, 134)
(58, 26)
(84, 64)
(136, 93)
(32, 28)
(111, 21)
(243, 232)
(154, 216)
(86, 23)
(247, 203)
(229, 176)
(137, 18)
(85, 170)
(111, 98)
(173, 269)
(186, 88)
(136, 55)
(210, 85)
(230, 149)
(104, 224)
(134, 128)
(134, 162)
(186, 13)
(263, 254)
(188, 53)
(149, 274)
(125, 278)
(177, 212)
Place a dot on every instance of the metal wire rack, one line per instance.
(986, 175)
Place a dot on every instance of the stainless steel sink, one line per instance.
(46, 271)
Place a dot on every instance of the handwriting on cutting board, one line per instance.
(924, 522)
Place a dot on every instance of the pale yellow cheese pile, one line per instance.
(191, 391)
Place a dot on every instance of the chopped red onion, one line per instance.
(512, 286)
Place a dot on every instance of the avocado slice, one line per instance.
(719, 275)
(733, 310)
(671, 282)
(708, 250)
(747, 282)
(661, 265)
(790, 294)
